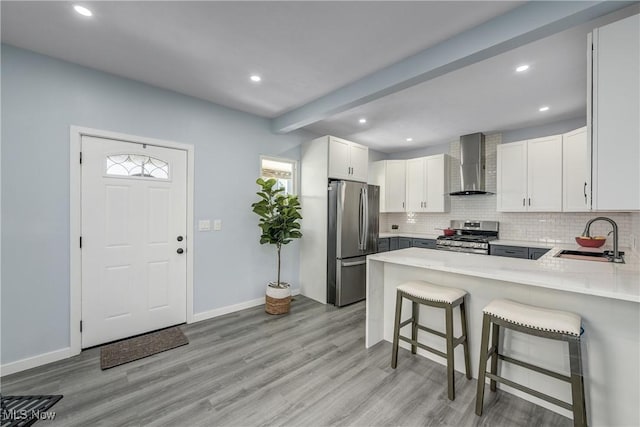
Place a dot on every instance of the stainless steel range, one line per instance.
(470, 236)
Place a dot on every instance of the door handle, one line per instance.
(360, 221)
(365, 218)
(529, 201)
(180, 238)
(585, 193)
(523, 199)
(180, 250)
(353, 263)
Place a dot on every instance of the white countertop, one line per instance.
(435, 235)
(527, 244)
(412, 235)
(604, 279)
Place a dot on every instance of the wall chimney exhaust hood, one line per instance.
(472, 165)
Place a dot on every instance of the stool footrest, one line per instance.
(422, 346)
(530, 391)
(432, 331)
(459, 340)
(535, 368)
(406, 322)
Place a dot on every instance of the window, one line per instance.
(137, 165)
(283, 170)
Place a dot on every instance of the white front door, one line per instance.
(134, 200)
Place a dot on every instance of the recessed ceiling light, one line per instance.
(522, 68)
(409, 139)
(82, 10)
(545, 108)
(363, 120)
(255, 78)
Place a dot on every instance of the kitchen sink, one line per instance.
(606, 256)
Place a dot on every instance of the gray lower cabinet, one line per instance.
(386, 244)
(383, 244)
(393, 244)
(517, 251)
(404, 242)
(509, 251)
(424, 243)
(535, 253)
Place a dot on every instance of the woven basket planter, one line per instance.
(277, 300)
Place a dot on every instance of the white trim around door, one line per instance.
(76, 134)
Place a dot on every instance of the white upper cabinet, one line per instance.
(428, 184)
(390, 175)
(348, 160)
(576, 171)
(544, 174)
(339, 158)
(437, 191)
(615, 115)
(529, 176)
(415, 185)
(511, 183)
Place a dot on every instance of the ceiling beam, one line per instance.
(532, 21)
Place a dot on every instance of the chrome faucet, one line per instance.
(616, 255)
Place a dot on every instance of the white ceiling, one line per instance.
(488, 97)
(304, 50)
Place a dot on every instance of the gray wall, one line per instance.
(421, 152)
(41, 98)
(554, 128)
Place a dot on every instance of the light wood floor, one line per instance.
(308, 368)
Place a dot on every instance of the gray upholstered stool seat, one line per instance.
(538, 321)
(428, 294)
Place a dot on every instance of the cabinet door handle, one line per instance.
(529, 201)
(403, 204)
(523, 200)
(585, 193)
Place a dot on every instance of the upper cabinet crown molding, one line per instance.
(614, 104)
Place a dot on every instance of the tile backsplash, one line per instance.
(552, 227)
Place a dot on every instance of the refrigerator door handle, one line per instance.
(353, 264)
(365, 218)
(360, 221)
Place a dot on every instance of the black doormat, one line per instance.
(135, 348)
(23, 411)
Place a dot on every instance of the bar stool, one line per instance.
(419, 292)
(541, 322)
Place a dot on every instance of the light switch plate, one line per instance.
(204, 225)
(217, 224)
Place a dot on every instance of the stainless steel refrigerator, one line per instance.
(354, 210)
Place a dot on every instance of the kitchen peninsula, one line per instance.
(606, 295)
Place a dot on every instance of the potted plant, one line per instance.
(279, 215)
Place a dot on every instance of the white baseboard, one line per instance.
(35, 361)
(54, 356)
(197, 317)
